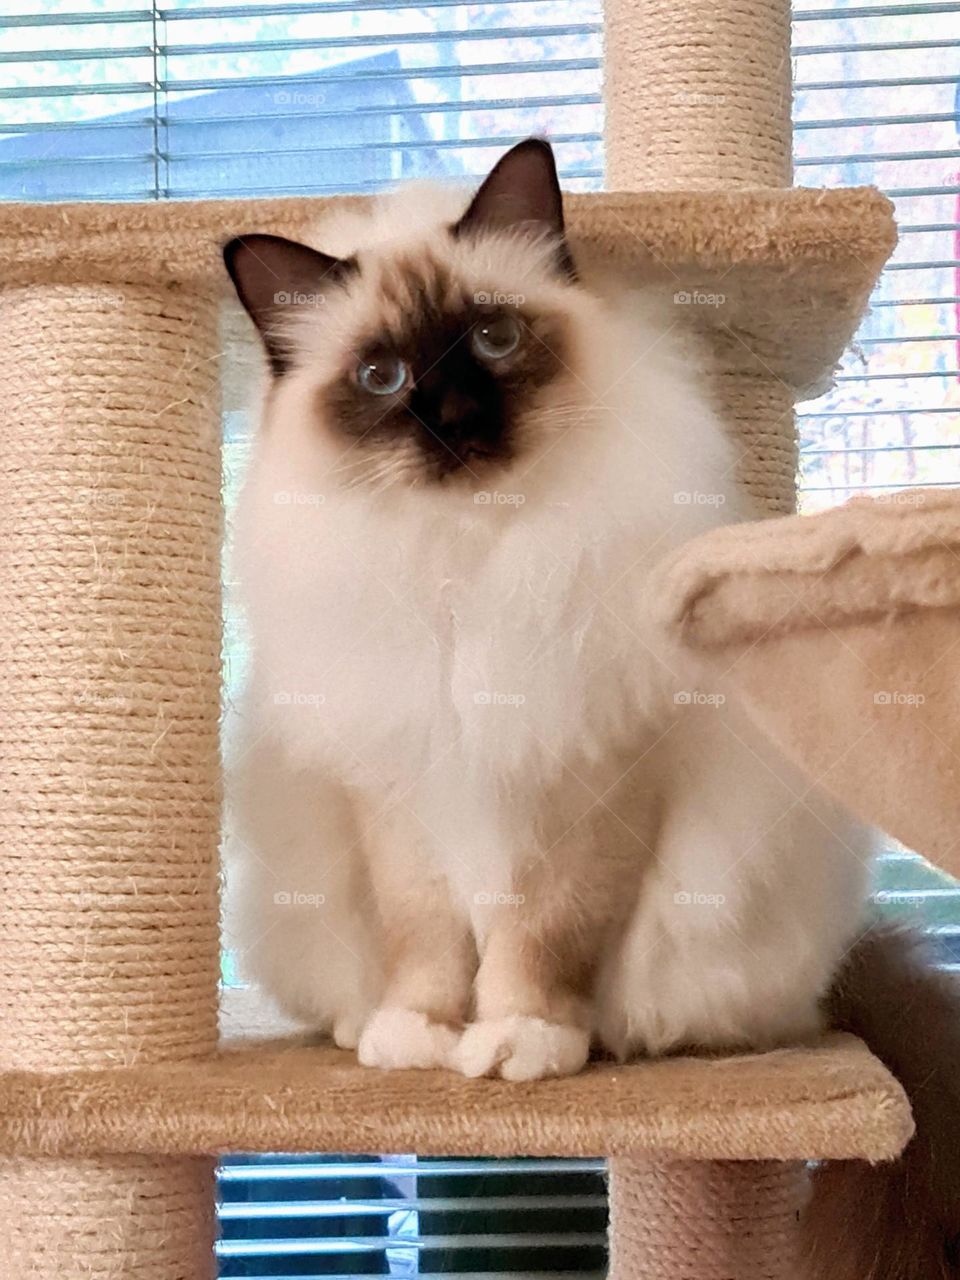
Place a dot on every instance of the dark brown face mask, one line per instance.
(452, 388)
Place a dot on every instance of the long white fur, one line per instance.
(445, 658)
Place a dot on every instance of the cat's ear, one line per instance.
(272, 276)
(521, 192)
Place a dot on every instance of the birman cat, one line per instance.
(485, 817)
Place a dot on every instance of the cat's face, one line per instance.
(449, 383)
(418, 363)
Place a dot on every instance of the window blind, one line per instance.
(282, 1216)
(876, 102)
(116, 101)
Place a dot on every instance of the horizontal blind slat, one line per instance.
(324, 1246)
(318, 1168)
(82, 17)
(422, 1204)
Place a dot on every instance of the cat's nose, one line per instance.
(456, 409)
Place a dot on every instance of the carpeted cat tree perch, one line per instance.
(115, 1094)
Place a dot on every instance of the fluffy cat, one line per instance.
(485, 818)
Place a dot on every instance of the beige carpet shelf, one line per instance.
(830, 1101)
(779, 276)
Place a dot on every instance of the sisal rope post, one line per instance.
(705, 1220)
(762, 409)
(698, 97)
(109, 775)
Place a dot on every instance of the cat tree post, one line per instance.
(109, 708)
(698, 97)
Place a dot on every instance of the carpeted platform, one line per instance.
(831, 1101)
(779, 277)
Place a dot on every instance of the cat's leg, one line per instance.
(540, 949)
(757, 889)
(298, 912)
(429, 955)
(532, 1014)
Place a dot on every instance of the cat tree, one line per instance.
(114, 1092)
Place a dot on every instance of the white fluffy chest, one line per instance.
(501, 671)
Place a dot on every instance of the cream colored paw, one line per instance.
(398, 1039)
(519, 1048)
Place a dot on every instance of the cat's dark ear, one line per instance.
(272, 275)
(521, 191)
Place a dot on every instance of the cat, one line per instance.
(485, 818)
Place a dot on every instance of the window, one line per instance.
(122, 101)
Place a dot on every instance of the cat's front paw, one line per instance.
(519, 1048)
(347, 1030)
(399, 1039)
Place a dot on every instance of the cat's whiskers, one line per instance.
(382, 474)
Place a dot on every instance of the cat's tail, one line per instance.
(898, 1221)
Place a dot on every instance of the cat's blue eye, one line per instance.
(496, 336)
(382, 373)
